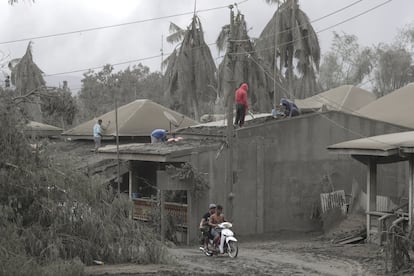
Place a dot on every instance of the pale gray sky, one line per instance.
(82, 50)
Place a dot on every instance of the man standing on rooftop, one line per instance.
(97, 133)
(241, 104)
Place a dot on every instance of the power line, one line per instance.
(285, 90)
(322, 30)
(337, 11)
(256, 51)
(358, 15)
(323, 115)
(312, 21)
(98, 67)
(115, 25)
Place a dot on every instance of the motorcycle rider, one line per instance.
(205, 226)
(215, 220)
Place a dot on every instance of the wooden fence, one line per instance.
(143, 208)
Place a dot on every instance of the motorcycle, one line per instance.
(228, 243)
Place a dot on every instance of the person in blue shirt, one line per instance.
(158, 136)
(288, 108)
(97, 133)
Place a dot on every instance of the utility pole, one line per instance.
(290, 69)
(117, 138)
(162, 54)
(230, 128)
(275, 65)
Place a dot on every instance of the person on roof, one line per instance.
(158, 136)
(288, 108)
(241, 104)
(97, 133)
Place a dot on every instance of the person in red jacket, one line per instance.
(241, 104)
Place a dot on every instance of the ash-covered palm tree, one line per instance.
(190, 72)
(28, 80)
(246, 65)
(289, 44)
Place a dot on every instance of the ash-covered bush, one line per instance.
(54, 218)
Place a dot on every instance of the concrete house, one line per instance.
(346, 98)
(385, 151)
(279, 168)
(136, 120)
(277, 171)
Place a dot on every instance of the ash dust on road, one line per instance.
(291, 257)
(268, 256)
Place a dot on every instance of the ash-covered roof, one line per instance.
(135, 119)
(162, 152)
(41, 130)
(396, 107)
(346, 98)
(387, 148)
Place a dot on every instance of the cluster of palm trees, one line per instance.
(282, 62)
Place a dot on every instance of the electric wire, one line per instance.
(324, 29)
(325, 116)
(312, 21)
(267, 73)
(115, 25)
(256, 51)
(248, 53)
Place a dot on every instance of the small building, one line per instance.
(396, 107)
(40, 130)
(345, 98)
(385, 150)
(148, 176)
(136, 121)
(278, 167)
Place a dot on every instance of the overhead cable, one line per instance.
(244, 53)
(114, 25)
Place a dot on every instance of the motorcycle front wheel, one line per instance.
(232, 249)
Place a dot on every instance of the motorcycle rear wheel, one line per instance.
(232, 249)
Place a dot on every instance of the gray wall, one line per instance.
(283, 165)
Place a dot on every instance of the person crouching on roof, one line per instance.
(158, 136)
(241, 104)
(288, 108)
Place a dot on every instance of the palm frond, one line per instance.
(177, 33)
(222, 38)
(273, 1)
(174, 28)
(190, 70)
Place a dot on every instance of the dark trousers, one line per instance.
(240, 114)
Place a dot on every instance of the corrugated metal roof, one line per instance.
(222, 123)
(137, 118)
(346, 98)
(381, 145)
(396, 107)
(42, 130)
(159, 151)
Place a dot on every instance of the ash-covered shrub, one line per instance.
(53, 218)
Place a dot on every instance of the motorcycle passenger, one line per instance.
(215, 220)
(205, 226)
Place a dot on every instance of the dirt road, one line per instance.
(299, 256)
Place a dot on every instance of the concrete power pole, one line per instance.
(230, 128)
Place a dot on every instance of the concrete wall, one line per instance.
(212, 166)
(283, 165)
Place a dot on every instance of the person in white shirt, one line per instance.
(97, 133)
